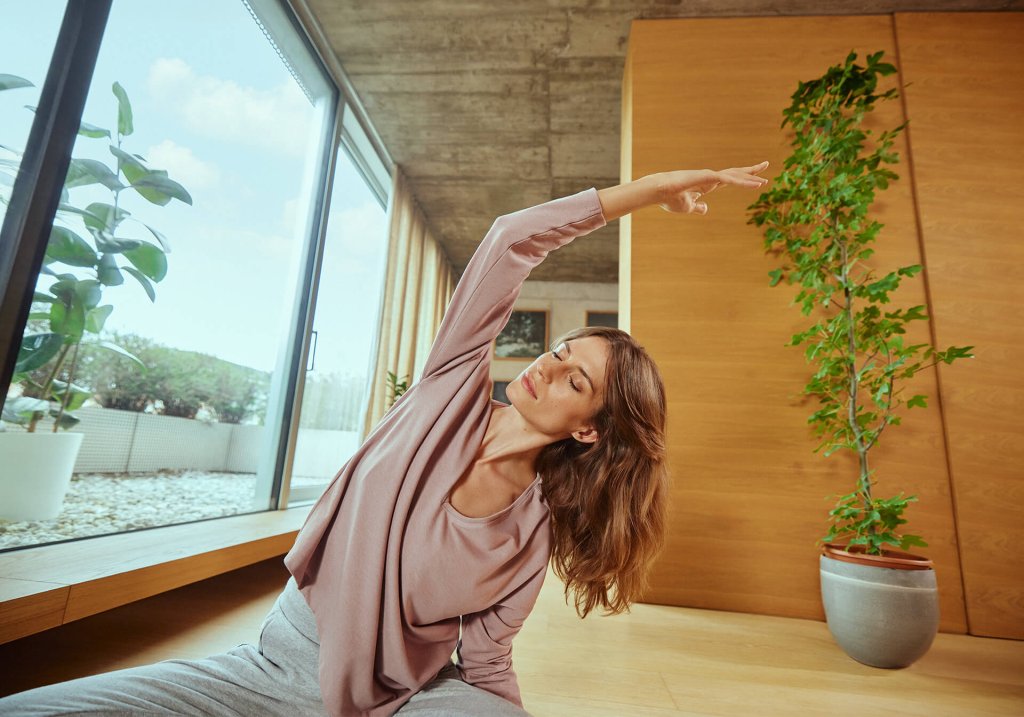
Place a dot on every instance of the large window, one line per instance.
(176, 280)
(347, 312)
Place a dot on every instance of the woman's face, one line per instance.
(563, 389)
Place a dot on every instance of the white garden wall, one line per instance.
(128, 442)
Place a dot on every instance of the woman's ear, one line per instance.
(586, 435)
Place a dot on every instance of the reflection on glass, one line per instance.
(345, 325)
(171, 274)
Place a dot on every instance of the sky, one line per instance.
(216, 107)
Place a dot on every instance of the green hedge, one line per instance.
(184, 380)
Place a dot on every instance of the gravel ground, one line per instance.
(99, 504)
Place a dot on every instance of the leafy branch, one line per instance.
(816, 219)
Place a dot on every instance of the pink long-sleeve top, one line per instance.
(388, 566)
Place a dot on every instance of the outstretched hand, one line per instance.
(681, 191)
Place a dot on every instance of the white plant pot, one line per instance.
(35, 472)
(883, 611)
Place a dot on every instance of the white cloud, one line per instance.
(361, 230)
(183, 166)
(275, 119)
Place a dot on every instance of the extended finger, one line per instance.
(737, 176)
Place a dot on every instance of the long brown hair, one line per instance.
(608, 499)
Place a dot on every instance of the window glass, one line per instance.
(24, 58)
(177, 258)
(345, 327)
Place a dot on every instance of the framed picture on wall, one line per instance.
(603, 318)
(498, 392)
(524, 336)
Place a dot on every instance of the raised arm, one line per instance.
(678, 191)
(518, 242)
(515, 244)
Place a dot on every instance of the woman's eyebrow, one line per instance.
(568, 350)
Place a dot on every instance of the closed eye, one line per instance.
(574, 387)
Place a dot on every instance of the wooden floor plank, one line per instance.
(656, 661)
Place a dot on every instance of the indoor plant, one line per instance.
(881, 604)
(43, 379)
(395, 388)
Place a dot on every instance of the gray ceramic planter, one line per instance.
(880, 616)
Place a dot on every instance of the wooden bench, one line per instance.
(52, 585)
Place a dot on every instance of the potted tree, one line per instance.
(68, 302)
(881, 604)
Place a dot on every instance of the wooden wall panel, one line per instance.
(967, 139)
(750, 495)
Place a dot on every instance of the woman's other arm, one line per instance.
(678, 191)
(485, 648)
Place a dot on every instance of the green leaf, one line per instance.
(776, 276)
(64, 289)
(68, 319)
(114, 348)
(159, 189)
(100, 216)
(109, 274)
(88, 292)
(95, 319)
(142, 280)
(955, 352)
(13, 82)
(132, 167)
(88, 130)
(910, 541)
(68, 248)
(21, 409)
(58, 316)
(82, 172)
(78, 394)
(36, 350)
(124, 111)
(65, 420)
(114, 245)
(150, 260)
(917, 401)
(159, 237)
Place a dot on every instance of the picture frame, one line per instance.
(603, 318)
(525, 336)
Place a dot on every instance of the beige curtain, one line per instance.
(417, 288)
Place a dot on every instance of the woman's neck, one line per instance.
(510, 444)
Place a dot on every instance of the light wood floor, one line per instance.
(657, 661)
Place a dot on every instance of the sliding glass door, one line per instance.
(176, 286)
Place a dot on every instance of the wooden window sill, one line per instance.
(51, 585)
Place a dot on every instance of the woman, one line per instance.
(445, 519)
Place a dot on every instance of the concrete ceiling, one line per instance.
(490, 107)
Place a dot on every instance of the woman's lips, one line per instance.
(528, 385)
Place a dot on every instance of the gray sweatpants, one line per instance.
(278, 676)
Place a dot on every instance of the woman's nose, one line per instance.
(542, 371)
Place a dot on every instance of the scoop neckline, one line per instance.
(494, 516)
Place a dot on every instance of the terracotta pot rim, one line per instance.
(896, 559)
